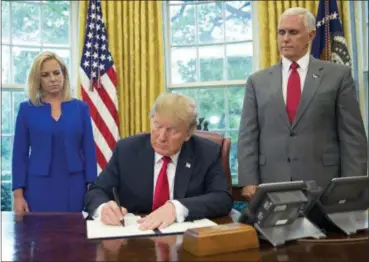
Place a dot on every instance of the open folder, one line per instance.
(96, 229)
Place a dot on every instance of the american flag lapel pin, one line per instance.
(188, 165)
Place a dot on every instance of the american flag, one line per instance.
(98, 84)
(329, 42)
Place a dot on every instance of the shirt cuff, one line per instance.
(97, 214)
(181, 211)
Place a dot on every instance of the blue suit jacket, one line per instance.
(200, 181)
(33, 141)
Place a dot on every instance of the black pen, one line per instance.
(116, 199)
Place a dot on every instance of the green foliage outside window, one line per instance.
(211, 42)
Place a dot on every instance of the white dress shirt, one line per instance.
(303, 63)
(181, 210)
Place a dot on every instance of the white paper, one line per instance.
(204, 223)
(96, 229)
(182, 227)
(177, 227)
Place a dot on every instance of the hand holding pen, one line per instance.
(116, 198)
(112, 213)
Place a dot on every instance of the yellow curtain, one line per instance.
(268, 13)
(135, 36)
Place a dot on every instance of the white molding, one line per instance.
(363, 33)
(255, 37)
(6, 135)
(166, 36)
(197, 40)
(225, 53)
(208, 84)
(214, 44)
(74, 46)
(10, 56)
(40, 23)
(12, 86)
(44, 46)
(226, 110)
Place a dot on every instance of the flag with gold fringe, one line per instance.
(329, 43)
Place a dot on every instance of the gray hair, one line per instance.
(309, 19)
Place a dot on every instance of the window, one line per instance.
(28, 27)
(9, 106)
(209, 55)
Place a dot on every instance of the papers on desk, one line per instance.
(182, 227)
(96, 229)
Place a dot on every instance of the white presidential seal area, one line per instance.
(340, 53)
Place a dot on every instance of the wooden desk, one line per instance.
(62, 237)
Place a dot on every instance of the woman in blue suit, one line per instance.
(54, 157)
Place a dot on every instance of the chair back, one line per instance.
(225, 144)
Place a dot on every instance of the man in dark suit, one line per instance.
(301, 119)
(169, 173)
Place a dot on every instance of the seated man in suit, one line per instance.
(169, 174)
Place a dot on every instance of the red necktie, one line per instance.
(161, 195)
(163, 252)
(293, 92)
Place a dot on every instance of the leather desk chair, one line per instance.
(225, 143)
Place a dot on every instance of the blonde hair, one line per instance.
(179, 108)
(308, 17)
(35, 92)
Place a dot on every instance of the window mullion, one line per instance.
(10, 55)
(73, 38)
(12, 113)
(197, 39)
(167, 44)
(225, 62)
(40, 25)
(226, 107)
(225, 69)
(215, 43)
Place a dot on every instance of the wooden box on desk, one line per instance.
(220, 239)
